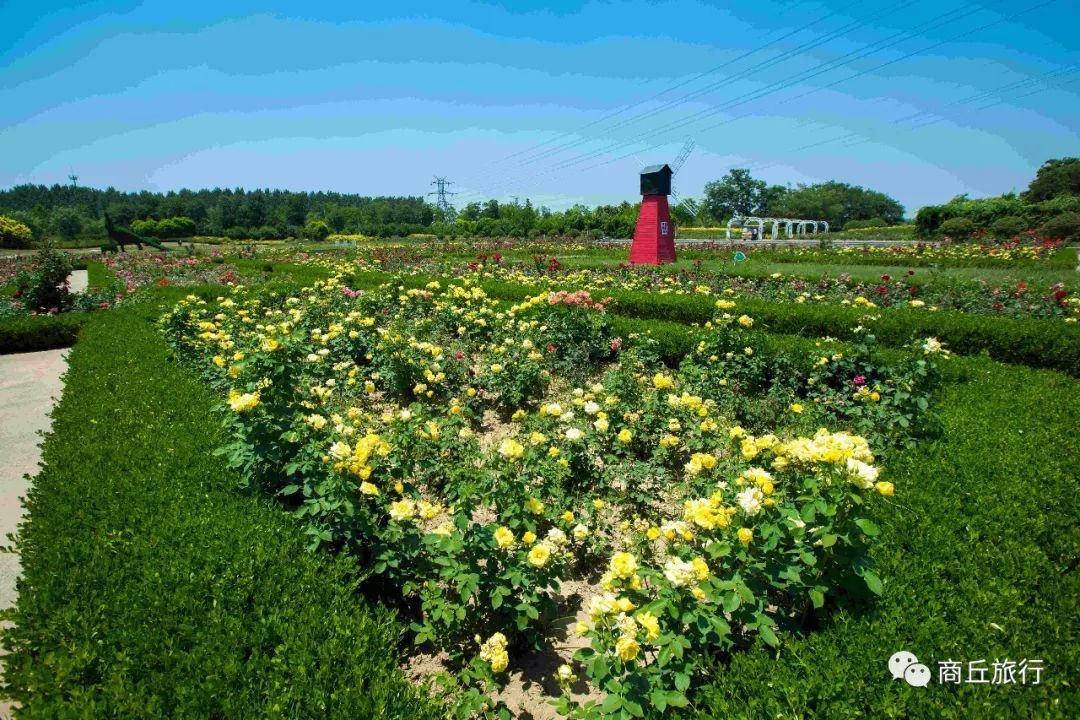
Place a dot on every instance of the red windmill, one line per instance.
(654, 236)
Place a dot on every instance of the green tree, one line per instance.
(1055, 177)
(316, 230)
(67, 222)
(838, 203)
(737, 193)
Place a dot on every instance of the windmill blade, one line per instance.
(680, 160)
(688, 205)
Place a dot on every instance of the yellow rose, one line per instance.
(625, 436)
(885, 488)
(745, 535)
(623, 564)
(528, 538)
(539, 555)
(511, 449)
(650, 624)
(504, 537)
(627, 648)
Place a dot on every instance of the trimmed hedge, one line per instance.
(39, 332)
(153, 587)
(978, 554)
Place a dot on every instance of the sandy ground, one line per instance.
(30, 383)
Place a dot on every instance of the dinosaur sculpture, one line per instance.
(119, 237)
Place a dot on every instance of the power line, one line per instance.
(859, 74)
(803, 76)
(564, 146)
(683, 83)
(726, 81)
(774, 87)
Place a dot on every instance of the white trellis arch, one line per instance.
(789, 227)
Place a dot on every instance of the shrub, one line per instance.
(145, 228)
(862, 224)
(43, 287)
(32, 333)
(1008, 227)
(13, 234)
(958, 228)
(1065, 226)
(316, 230)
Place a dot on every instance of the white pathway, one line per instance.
(30, 384)
(78, 281)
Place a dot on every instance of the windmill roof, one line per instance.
(655, 168)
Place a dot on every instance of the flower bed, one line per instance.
(910, 290)
(139, 270)
(478, 456)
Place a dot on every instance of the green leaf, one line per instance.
(732, 602)
(682, 681)
(659, 700)
(611, 703)
(768, 635)
(868, 527)
(677, 699)
(828, 540)
(873, 582)
(817, 597)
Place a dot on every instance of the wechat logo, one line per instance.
(905, 665)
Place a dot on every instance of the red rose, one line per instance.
(551, 348)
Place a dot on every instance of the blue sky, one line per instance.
(558, 101)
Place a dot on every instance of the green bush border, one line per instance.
(153, 587)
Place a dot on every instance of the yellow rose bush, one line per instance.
(475, 455)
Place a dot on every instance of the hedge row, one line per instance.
(1033, 342)
(39, 332)
(1039, 343)
(152, 587)
(978, 554)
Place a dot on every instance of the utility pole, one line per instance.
(441, 193)
(74, 180)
